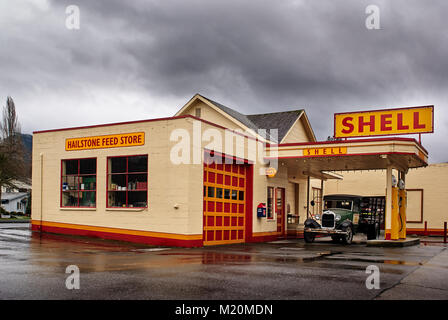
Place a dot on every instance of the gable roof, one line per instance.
(283, 121)
(233, 113)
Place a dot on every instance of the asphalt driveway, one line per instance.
(34, 267)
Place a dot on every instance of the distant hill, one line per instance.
(27, 140)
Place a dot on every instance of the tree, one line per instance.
(12, 164)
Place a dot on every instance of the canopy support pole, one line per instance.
(388, 207)
(308, 197)
(321, 196)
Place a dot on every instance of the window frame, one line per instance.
(78, 175)
(109, 174)
(273, 203)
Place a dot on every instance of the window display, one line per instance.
(127, 182)
(78, 185)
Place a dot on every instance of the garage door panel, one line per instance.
(224, 203)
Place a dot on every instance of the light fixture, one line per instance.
(394, 181)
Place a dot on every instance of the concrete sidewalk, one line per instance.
(428, 282)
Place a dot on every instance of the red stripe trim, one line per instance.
(384, 135)
(381, 110)
(119, 236)
(143, 121)
(421, 231)
(347, 141)
(112, 124)
(224, 155)
(264, 238)
(249, 202)
(347, 155)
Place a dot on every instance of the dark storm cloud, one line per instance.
(147, 58)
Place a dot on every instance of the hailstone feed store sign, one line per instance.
(107, 141)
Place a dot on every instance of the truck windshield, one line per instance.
(338, 204)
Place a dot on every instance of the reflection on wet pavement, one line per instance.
(95, 255)
(290, 267)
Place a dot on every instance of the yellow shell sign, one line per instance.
(384, 122)
(324, 151)
(108, 141)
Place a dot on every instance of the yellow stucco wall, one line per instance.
(168, 184)
(165, 190)
(297, 133)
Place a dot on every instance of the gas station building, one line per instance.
(210, 175)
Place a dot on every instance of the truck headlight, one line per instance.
(338, 217)
(317, 216)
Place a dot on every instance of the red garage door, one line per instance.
(225, 194)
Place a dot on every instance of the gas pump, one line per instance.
(395, 231)
(402, 203)
(398, 216)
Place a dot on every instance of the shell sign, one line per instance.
(384, 122)
(311, 152)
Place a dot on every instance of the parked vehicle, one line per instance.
(342, 217)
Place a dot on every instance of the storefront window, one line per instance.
(270, 204)
(127, 182)
(78, 183)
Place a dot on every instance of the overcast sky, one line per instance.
(137, 59)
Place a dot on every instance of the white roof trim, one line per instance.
(290, 128)
(307, 123)
(313, 136)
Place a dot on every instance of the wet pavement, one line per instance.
(32, 266)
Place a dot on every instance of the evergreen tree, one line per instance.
(12, 165)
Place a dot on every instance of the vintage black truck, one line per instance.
(342, 217)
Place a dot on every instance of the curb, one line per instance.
(393, 243)
(15, 221)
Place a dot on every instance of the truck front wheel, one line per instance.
(309, 237)
(347, 238)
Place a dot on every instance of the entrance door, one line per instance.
(280, 210)
(225, 187)
(292, 218)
